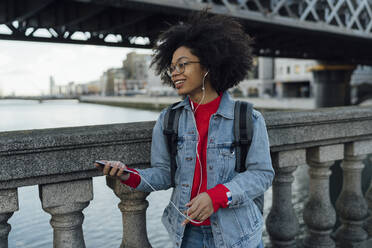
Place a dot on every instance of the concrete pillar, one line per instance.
(133, 205)
(351, 205)
(65, 202)
(319, 214)
(282, 223)
(8, 205)
(332, 85)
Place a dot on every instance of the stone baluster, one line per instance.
(368, 196)
(319, 214)
(8, 205)
(351, 205)
(133, 205)
(65, 202)
(282, 223)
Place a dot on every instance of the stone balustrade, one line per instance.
(60, 162)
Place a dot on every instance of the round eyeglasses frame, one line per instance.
(179, 67)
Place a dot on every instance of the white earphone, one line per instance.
(203, 88)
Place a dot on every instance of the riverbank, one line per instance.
(140, 102)
(159, 103)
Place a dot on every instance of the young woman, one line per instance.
(202, 59)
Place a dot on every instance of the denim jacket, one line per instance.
(241, 223)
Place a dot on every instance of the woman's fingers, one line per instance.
(192, 201)
(107, 168)
(120, 171)
(113, 168)
(113, 171)
(201, 208)
(193, 209)
(193, 212)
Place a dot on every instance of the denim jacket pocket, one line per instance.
(250, 218)
(249, 240)
(227, 159)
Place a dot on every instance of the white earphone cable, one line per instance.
(197, 144)
(174, 205)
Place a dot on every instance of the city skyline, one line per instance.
(26, 67)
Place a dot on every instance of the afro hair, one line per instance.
(218, 41)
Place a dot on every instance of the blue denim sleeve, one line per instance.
(259, 174)
(158, 175)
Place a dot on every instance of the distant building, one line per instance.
(293, 77)
(114, 82)
(109, 84)
(280, 77)
(362, 74)
(140, 78)
(361, 84)
(134, 77)
(52, 87)
(259, 80)
(136, 65)
(155, 86)
(70, 89)
(90, 88)
(283, 77)
(62, 90)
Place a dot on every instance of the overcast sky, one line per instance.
(25, 67)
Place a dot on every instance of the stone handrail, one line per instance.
(60, 162)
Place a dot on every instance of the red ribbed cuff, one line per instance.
(218, 196)
(134, 179)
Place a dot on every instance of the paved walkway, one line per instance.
(265, 103)
(269, 103)
(282, 103)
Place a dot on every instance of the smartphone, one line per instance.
(103, 164)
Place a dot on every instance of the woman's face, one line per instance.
(188, 82)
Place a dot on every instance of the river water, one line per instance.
(102, 224)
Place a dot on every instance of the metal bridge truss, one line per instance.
(347, 17)
(78, 22)
(339, 30)
(323, 29)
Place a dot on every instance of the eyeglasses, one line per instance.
(179, 67)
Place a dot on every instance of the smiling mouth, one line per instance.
(178, 83)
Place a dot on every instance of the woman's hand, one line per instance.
(114, 169)
(200, 208)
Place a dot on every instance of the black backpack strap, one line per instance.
(171, 119)
(259, 201)
(243, 133)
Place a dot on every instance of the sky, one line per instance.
(25, 67)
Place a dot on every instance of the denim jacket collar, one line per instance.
(226, 108)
